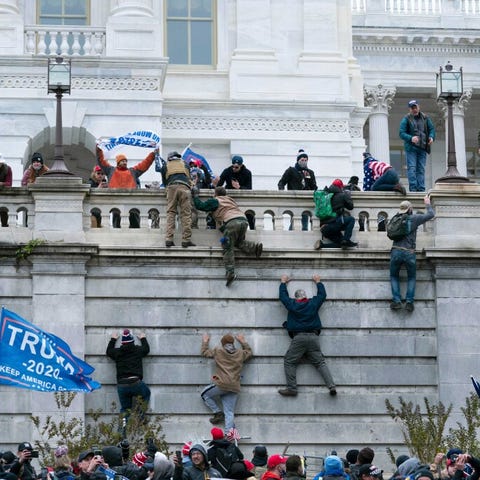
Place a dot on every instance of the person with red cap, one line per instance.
(128, 360)
(276, 468)
(229, 361)
(342, 221)
(222, 452)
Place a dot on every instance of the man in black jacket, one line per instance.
(332, 228)
(200, 469)
(22, 466)
(128, 360)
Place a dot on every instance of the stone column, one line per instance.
(11, 28)
(133, 30)
(459, 107)
(380, 99)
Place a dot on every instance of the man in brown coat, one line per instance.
(229, 361)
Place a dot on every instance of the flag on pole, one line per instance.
(476, 385)
(188, 155)
(37, 360)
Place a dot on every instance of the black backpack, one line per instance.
(399, 226)
(225, 458)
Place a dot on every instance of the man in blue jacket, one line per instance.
(303, 325)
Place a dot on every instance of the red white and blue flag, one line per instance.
(189, 155)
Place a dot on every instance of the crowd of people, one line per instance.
(222, 458)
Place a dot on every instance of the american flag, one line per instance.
(232, 434)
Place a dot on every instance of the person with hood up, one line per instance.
(332, 469)
(200, 469)
(229, 362)
(35, 170)
(163, 467)
(128, 361)
(333, 227)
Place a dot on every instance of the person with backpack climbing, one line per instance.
(229, 361)
(403, 253)
(330, 206)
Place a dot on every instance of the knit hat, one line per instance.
(217, 433)
(333, 465)
(351, 456)
(61, 451)
(127, 337)
(301, 154)
(139, 459)
(405, 206)
(186, 448)
(228, 338)
(120, 157)
(174, 156)
(338, 183)
(424, 472)
(237, 159)
(400, 459)
(275, 460)
(370, 471)
(260, 455)
(37, 157)
(250, 466)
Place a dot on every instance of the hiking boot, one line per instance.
(169, 243)
(217, 418)
(230, 278)
(258, 250)
(400, 188)
(287, 392)
(318, 245)
(348, 244)
(333, 391)
(409, 307)
(395, 305)
(188, 244)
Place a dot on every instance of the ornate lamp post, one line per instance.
(450, 88)
(59, 83)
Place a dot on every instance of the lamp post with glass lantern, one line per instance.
(450, 88)
(59, 83)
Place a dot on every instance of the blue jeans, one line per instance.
(416, 160)
(228, 399)
(397, 259)
(127, 393)
(333, 229)
(387, 181)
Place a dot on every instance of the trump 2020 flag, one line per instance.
(37, 360)
(188, 155)
(476, 385)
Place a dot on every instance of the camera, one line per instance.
(178, 454)
(34, 454)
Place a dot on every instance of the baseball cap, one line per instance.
(405, 206)
(370, 470)
(84, 455)
(25, 446)
(174, 156)
(412, 103)
(275, 460)
(237, 159)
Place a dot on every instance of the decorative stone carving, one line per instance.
(379, 98)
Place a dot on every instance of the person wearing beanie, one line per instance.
(341, 221)
(299, 177)
(333, 469)
(380, 176)
(225, 385)
(120, 176)
(128, 358)
(303, 325)
(36, 169)
(233, 223)
(403, 254)
(237, 177)
(223, 453)
(418, 133)
(200, 469)
(177, 180)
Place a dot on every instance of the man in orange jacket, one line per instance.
(121, 176)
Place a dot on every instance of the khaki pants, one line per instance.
(179, 196)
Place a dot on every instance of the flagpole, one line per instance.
(186, 148)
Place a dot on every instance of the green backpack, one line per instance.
(323, 204)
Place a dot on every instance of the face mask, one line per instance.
(303, 163)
